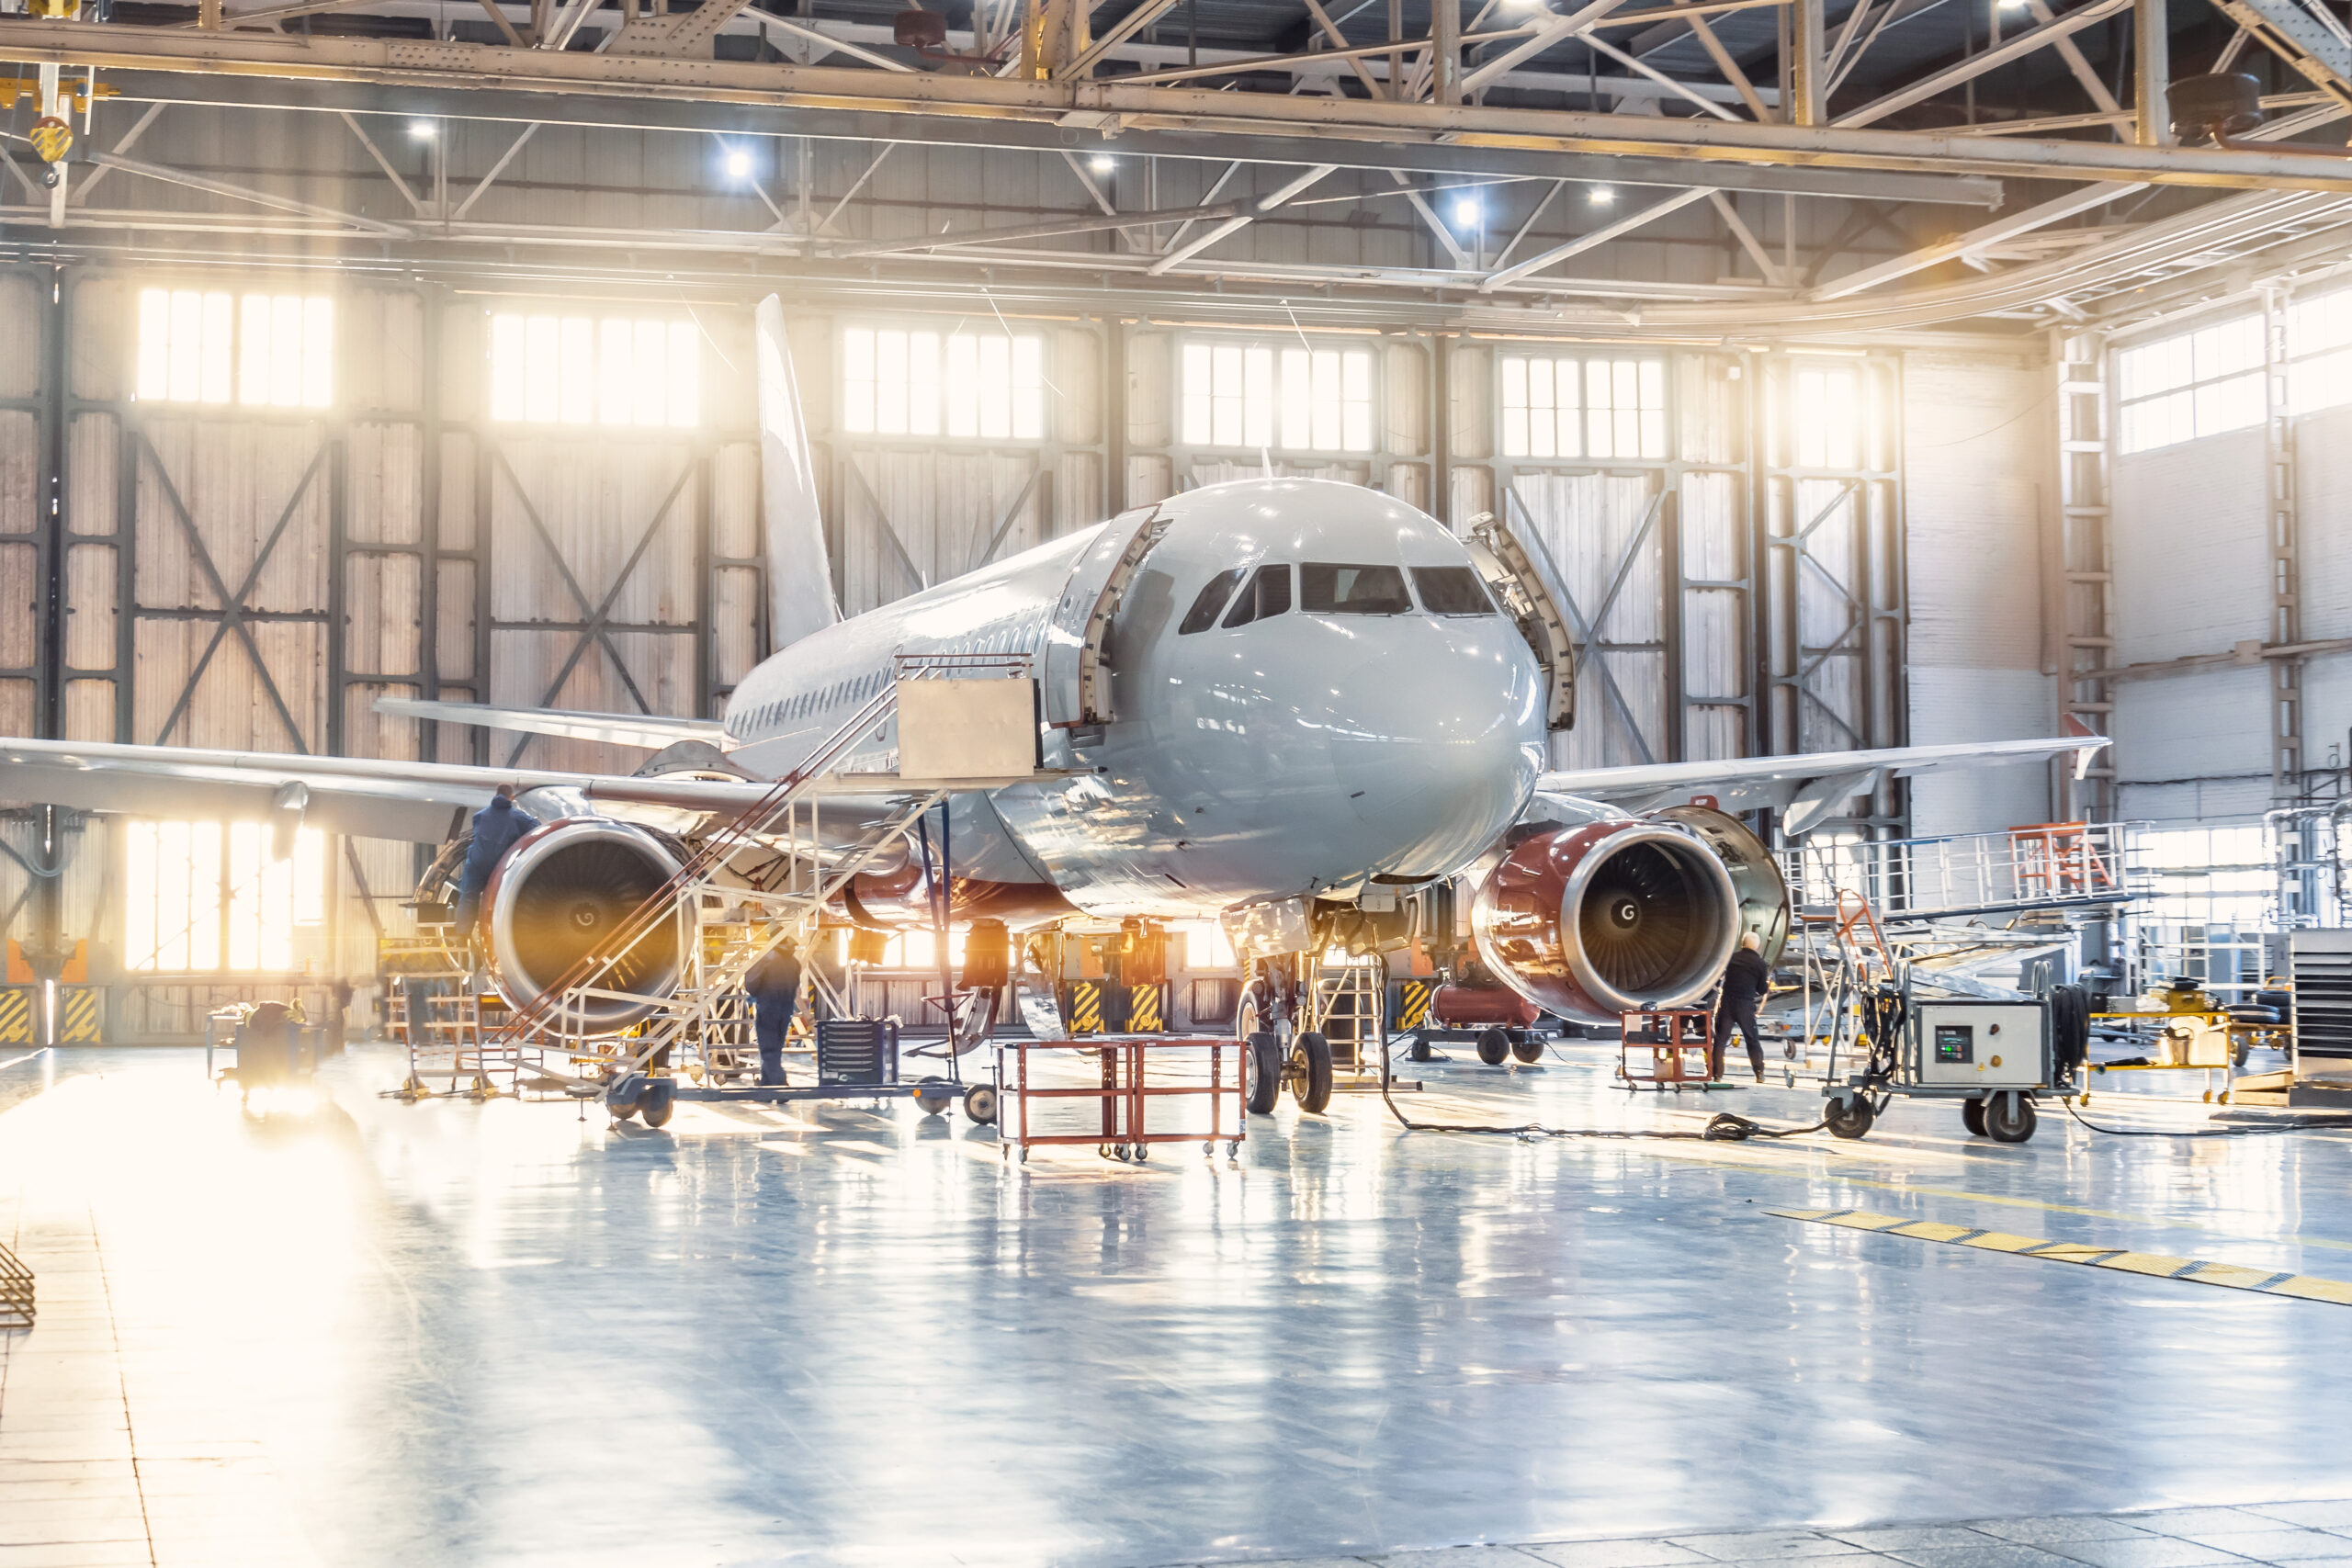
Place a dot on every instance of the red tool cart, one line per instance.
(1130, 1074)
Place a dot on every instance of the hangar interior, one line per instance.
(1914, 422)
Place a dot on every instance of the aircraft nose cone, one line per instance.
(1436, 746)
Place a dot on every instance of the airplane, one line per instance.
(1281, 703)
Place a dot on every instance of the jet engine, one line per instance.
(562, 893)
(1604, 914)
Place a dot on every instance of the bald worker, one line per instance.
(1746, 979)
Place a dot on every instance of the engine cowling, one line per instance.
(561, 894)
(1596, 918)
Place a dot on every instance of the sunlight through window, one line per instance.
(205, 898)
(268, 350)
(619, 370)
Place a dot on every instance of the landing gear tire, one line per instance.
(1850, 1118)
(2009, 1118)
(1310, 1074)
(660, 1096)
(934, 1102)
(1493, 1046)
(1528, 1051)
(1971, 1114)
(979, 1105)
(1265, 1073)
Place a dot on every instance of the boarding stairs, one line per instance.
(765, 874)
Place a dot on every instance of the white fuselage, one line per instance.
(1297, 753)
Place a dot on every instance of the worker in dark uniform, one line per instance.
(774, 986)
(496, 827)
(1746, 979)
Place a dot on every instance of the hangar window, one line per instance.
(1827, 427)
(985, 386)
(2319, 340)
(1564, 406)
(580, 370)
(260, 350)
(1295, 400)
(2192, 384)
(206, 896)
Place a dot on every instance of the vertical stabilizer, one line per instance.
(800, 578)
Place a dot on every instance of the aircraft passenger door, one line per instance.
(1515, 562)
(1076, 676)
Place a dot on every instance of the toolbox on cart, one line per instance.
(857, 1051)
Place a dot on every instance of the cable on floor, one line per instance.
(2266, 1130)
(1724, 1127)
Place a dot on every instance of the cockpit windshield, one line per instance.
(1332, 589)
(1202, 615)
(1452, 590)
(1268, 594)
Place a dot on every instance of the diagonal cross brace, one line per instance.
(233, 606)
(597, 630)
(1585, 634)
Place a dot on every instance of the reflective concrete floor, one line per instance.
(452, 1334)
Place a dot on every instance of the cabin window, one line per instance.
(1332, 589)
(1268, 594)
(1202, 615)
(1452, 590)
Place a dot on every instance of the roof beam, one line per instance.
(2016, 47)
(1215, 123)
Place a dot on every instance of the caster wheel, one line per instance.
(2009, 1118)
(1971, 1113)
(1419, 1051)
(1143, 1152)
(1850, 1118)
(1310, 1079)
(934, 1102)
(622, 1096)
(1493, 1046)
(979, 1105)
(660, 1096)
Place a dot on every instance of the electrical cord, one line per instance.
(2266, 1131)
(1724, 1127)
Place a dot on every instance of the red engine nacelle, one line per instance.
(1592, 919)
(1481, 1006)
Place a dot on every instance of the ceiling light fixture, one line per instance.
(1600, 196)
(739, 164)
(421, 129)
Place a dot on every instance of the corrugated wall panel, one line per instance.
(1977, 466)
(2191, 573)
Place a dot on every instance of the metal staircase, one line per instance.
(767, 873)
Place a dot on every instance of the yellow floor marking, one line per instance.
(2154, 1265)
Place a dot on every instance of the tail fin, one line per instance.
(800, 577)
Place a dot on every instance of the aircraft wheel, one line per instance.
(1971, 1113)
(660, 1096)
(979, 1105)
(1527, 1050)
(1493, 1046)
(1310, 1082)
(1265, 1072)
(2005, 1124)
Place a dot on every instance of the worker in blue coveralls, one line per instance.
(774, 986)
(496, 827)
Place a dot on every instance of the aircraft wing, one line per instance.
(373, 798)
(648, 731)
(1806, 789)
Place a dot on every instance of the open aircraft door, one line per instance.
(1077, 670)
(1520, 571)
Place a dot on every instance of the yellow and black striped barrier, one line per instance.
(77, 1015)
(1086, 1007)
(19, 1017)
(2153, 1265)
(1147, 1009)
(1413, 1003)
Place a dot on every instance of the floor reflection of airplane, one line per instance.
(1306, 698)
